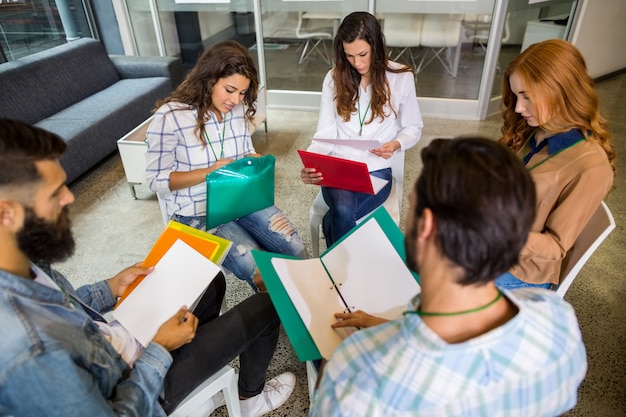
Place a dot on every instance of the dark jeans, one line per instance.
(346, 207)
(248, 330)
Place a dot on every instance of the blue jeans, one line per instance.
(345, 207)
(508, 281)
(267, 229)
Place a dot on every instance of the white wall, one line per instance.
(600, 34)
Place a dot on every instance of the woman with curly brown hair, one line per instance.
(202, 126)
(552, 121)
(365, 96)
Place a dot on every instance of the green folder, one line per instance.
(296, 329)
(239, 188)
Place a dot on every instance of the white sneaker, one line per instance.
(275, 393)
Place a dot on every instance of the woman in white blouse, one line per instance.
(365, 96)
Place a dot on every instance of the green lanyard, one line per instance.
(554, 154)
(361, 121)
(221, 141)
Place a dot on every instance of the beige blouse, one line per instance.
(570, 187)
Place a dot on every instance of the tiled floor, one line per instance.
(114, 231)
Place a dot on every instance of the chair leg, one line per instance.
(315, 238)
(231, 395)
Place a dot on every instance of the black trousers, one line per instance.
(248, 330)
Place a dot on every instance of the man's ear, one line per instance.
(426, 226)
(9, 213)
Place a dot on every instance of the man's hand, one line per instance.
(387, 149)
(310, 176)
(358, 319)
(122, 280)
(177, 331)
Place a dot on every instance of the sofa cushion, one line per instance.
(39, 85)
(110, 113)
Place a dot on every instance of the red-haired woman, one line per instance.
(551, 119)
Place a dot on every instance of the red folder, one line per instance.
(340, 173)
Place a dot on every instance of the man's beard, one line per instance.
(46, 241)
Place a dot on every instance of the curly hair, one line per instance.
(557, 83)
(362, 26)
(220, 61)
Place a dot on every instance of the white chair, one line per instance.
(315, 38)
(477, 27)
(599, 227)
(403, 31)
(311, 376)
(393, 204)
(442, 32)
(194, 405)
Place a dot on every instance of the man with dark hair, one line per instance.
(60, 357)
(463, 347)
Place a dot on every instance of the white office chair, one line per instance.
(315, 38)
(477, 27)
(194, 405)
(403, 31)
(442, 32)
(599, 227)
(393, 204)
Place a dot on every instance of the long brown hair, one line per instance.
(355, 26)
(557, 83)
(222, 60)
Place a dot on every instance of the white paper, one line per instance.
(362, 144)
(373, 277)
(369, 273)
(179, 279)
(377, 183)
(315, 299)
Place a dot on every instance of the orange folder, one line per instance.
(212, 247)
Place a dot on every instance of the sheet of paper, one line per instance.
(373, 277)
(313, 295)
(378, 183)
(364, 145)
(179, 278)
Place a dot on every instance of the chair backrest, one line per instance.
(397, 171)
(311, 33)
(402, 29)
(441, 30)
(597, 229)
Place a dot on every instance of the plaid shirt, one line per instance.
(530, 366)
(173, 146)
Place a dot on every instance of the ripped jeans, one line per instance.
(267, 229)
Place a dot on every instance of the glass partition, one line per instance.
(526, 23)
(29, 26)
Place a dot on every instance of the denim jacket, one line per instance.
(54, 361)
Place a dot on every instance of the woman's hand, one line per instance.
(358, 319)
(387, 149)
(310, 176)
(177, 331)
(123, 279)
(220, 163)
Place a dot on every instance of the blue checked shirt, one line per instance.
(530, 366)
(173, 146)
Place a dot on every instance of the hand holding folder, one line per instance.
(342, 173)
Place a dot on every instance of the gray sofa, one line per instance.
(89, 98)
